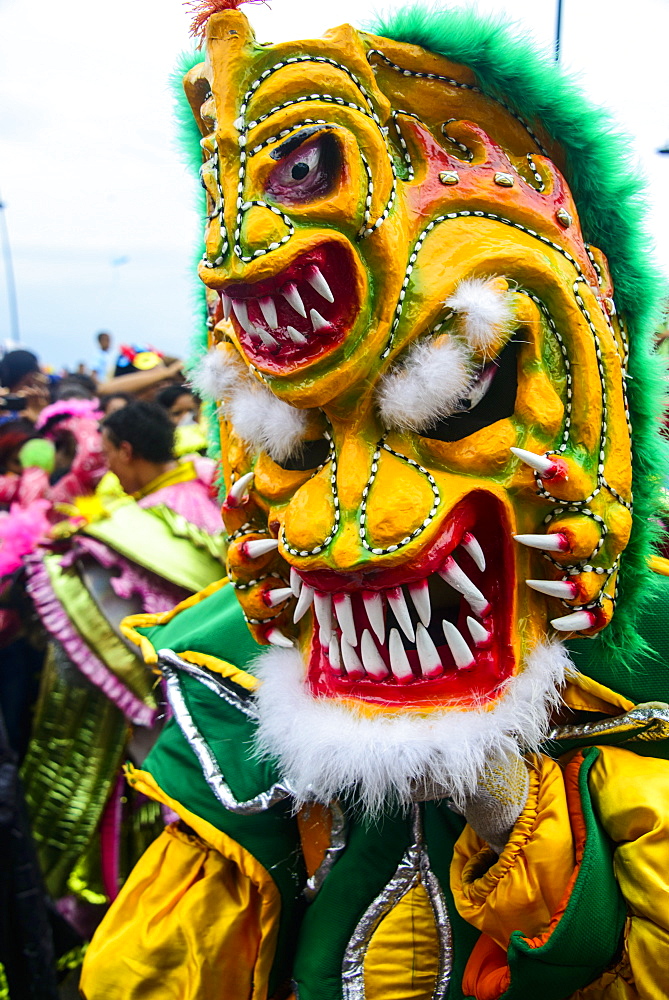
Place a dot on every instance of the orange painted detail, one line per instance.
(487, 974)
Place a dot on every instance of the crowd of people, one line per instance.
(108, 507)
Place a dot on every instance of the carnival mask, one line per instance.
(421, 369)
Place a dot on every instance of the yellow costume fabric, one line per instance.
(522, 889)
(193, 922)
(174, 923)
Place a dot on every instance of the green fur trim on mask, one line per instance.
(608, 192)
(188, 139)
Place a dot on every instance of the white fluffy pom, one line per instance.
(218, 374)
(486, 311)
(266, 423)
(431, 379)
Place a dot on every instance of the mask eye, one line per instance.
(492, 398)
(311, 455)
(307, 173)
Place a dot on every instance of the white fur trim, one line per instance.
(326, 749)
(266, 423)
(217, 374)
(431, 379)
(487, 313)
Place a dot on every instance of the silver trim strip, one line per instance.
(649, 721)
(210, 769)
(206, 677)
(413, 868)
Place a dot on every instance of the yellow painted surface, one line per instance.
(402, 960)
(160, 927)
(485, 452)
(399, 501)
(310, 516)
(539, 405)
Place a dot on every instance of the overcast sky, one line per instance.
(99, 207)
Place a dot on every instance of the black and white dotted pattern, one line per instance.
(460, 86)
(368, 228)
(247, 529)
(367, 213)
(581, 566)
(303, 553)
(244, 127)
(284, 132)
(569, 386)
(598, 601)
(601, 478)
(213, 164)
(291, 61)
(262, 621)
(365, 493)
(400, 138)
(626, 358)
(465, 150)
(597, 269)
(479, 214)
(271, 246)
(541, 187)
(258, 579)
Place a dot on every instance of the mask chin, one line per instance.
(329, 749)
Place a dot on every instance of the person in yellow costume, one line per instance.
(428, 305)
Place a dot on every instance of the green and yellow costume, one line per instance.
(427, 306)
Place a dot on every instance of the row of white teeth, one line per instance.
(267, 306)
(358, 656)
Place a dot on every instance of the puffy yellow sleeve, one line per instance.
(631, 795)
(523, 888)
(186, 921)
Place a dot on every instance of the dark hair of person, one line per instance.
(75, 386)
(146, 427)
(13, 435)
(16, 365)
(106, 399)
(168, 396)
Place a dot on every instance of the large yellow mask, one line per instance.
(420, 365)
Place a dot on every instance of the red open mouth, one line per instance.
(301, 314)
(436, 630)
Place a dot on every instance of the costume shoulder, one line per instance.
(202, 766)
(161, 541)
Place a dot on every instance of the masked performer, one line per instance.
(98, 702)
(427, 300)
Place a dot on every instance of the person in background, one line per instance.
(75, 386)
(114, 401)
(142, 373)
(26, 388)
(180, 404)
(138, 442)
(103, 363)
(13, 435)
(183, 407)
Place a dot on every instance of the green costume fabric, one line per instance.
(575, 954)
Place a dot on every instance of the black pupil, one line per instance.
(299, 171)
